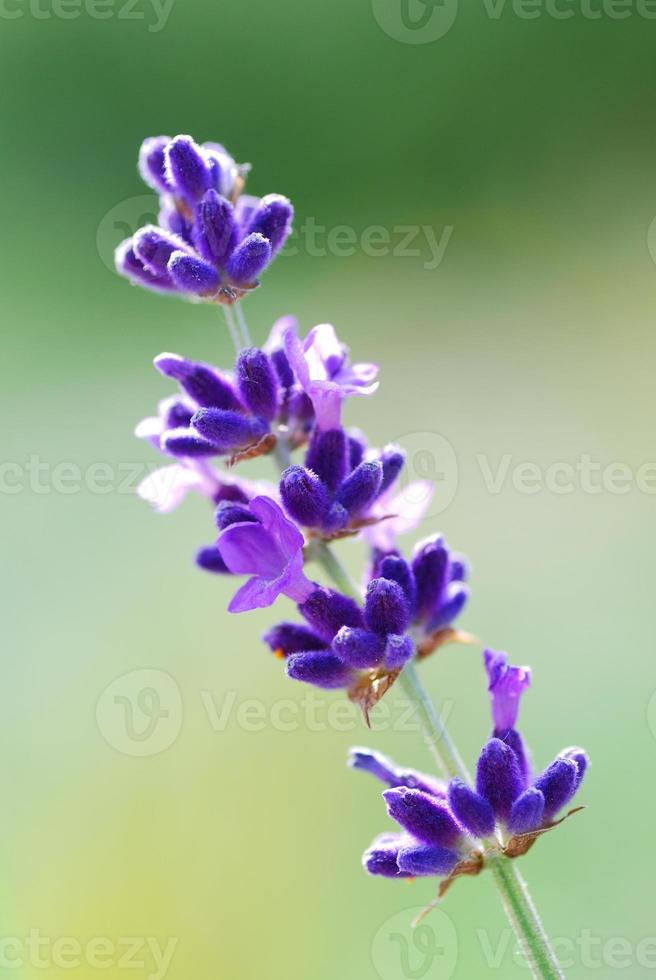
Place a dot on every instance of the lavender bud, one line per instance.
(186, 442)
(304, 496)
(273, 220)
(398, 570)
(193, 275)
(527, 813)
(176, 413)
(336, 519)
(154, 247)
(381, 857)
(321, 668)
(199, 381)
(215, 231)
(286, 638)
(398, 650)
(229, 512)
(327, 456)
(210, 560)
(361, 487)
(186, 169)
(558, 785)
(152, 163)
(228, 430)
(580, 757)
(498, 778)
(392, 460)
(283, 368)
(419, 860)
(382, 768)
(249, 259)
(453, 602)
(127, 263)
(423, 816)
(358, 647)
(386, 608)
(327, 611)
(356, 450)
(430, 566)
(257, 383)
(470, 808)
(512, 738)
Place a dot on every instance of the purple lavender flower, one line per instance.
(383, 635)
(382, 768)
(211, 244)
(166, 487)
(230, 414)
(439, 829)
(270, 550)
(506, 684)
(431, 842)
(321, 365)
(345, 489)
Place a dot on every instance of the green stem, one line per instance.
(322, 554)
(232, 327)
(243, 326)
(517, 903)
(433, 728)
(524, 918)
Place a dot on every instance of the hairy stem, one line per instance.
(321, 552)
(243, 326)
(433, 728)
(517, 903)
(232, 327)
(524, 918)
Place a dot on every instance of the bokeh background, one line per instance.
(532, 341)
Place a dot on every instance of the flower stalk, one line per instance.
(212, 245)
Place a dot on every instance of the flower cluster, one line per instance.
(212, 241)
(405, 606)
(444, 825)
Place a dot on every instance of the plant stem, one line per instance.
(524, 918)
(433, 728)
(320, 551)
(243, 326)
(232, 327)
(517, 903)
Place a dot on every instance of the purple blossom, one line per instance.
(211, 244)
(506, 686)
(271, 552)
(382, 768)
(321, 366)
(438, 823)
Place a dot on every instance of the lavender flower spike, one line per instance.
(269, 550)
(321, 365)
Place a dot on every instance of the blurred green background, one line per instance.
(532, 341)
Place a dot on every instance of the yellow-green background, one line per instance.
(536, 140)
